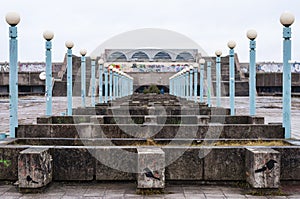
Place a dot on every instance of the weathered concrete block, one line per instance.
(151, 167)
(34, 168)
(290, 163)
(116, 163)
(73, 163)
(9, 162)
(223, 163)
(263, 167)
(183, 163)
(203, 119)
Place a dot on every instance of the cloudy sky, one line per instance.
(210, 23)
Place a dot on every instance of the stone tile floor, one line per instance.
(59, 190)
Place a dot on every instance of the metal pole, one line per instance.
(48, 79)
(83, 81)
(114, 84)
(287, 81)
(201, 81)
(252, 86)
(110, 83)
(195, 83)
(187, 85)
(209, 84)
(218, 77)
(101, 83)
(93, 75)
(191, 84)
(69, 81)
(232, 82)
(106, 84)
(13, 80)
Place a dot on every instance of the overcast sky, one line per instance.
(210, 23)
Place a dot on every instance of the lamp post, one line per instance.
(218, 76)
(69, 45)
(231, 45)
(287, 19)
(195, 81)
(209, 84)
(48, 36)
(93, 76)
(101, 62)
(110, 82)
(13, 19)
(83, 77)
(251, 34)
(191, 82)
(202, 62)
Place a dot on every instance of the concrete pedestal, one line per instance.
(34, 168)
(263, 167)
(151, 167)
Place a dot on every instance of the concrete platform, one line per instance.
(95, 190)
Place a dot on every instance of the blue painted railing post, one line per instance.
(287, 19)
(48, 36)
(69, 45)
(191, 82)
(231, 45)
(105, 84)
(83, 77)
(187, 83)
(93, 76)
(117, 83)
(114, 83)
(195, 82)
(110, 82)
(202, 62)
(251, 34)
(218, 77)
(13, 19)
(101, 62)
(209, 84)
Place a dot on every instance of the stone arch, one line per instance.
(162, 56)
(185, 56)
(117, 56)
(140, 56)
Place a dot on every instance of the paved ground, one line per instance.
(128, 190)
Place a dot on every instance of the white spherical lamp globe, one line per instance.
(48, 35)
(69, 44)
(191, 67)
(83, 52)
(231, 44)
(251, 34)
(202, 61)
(101, 61)
(287, 19)
(111, 67)
(12, 18)
(195, 65)
(218, 53)
(42, 75)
